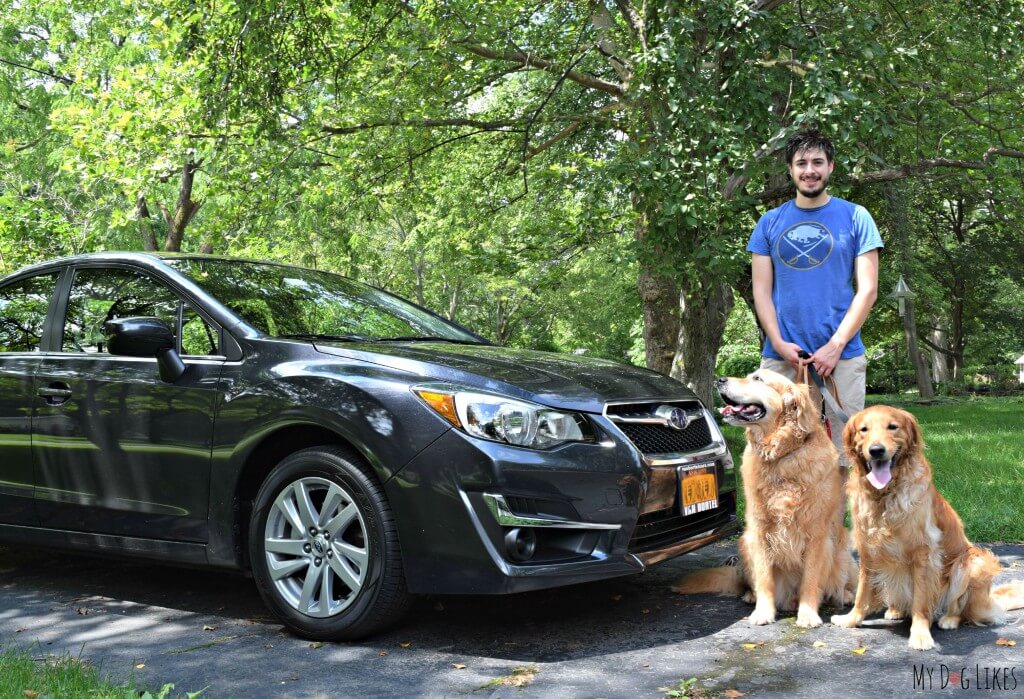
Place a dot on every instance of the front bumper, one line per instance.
(468, 509)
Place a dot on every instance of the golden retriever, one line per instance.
(794, 547)
(914, 556)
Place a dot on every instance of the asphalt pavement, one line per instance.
(627, 637)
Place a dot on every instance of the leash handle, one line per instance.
(806, 373)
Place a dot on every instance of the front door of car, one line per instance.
(24, 304)
(117, 450)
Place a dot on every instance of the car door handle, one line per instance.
(55, 394)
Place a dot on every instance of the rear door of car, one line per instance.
(24, 305)
(117, 450)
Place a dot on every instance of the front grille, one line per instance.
(667, 527)
(658, 439)
(653, 438)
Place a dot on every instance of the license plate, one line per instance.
(699, 490)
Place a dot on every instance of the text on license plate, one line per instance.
(700, 491)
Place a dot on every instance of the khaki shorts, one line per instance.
(851, 379)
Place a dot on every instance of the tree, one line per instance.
(680, 107)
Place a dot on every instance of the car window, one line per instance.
(290, 301)
(101, 295)
(23, 308)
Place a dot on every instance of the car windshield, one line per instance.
(303, 303)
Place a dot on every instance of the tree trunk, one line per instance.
(940, 361)
(145, 224)
(924, 381)
(660, 298)
(184, 211)
(704, 310)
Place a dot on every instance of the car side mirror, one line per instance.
(146, 337)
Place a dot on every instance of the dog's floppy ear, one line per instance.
(850, 439)
(914, 439)
(797, 402)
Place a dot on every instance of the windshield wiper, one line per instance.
(425, 338)
(324, 336)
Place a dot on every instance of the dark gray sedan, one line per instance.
(345, 446)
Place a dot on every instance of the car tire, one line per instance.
(324, 547)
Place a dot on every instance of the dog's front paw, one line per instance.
(847, 621)
(949, 622)
(749, 597)
(921, 640)
(893, 614)
(761, 616)
(808, 618)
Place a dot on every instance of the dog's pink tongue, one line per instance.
(880, 474)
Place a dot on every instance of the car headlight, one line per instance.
(503, 419)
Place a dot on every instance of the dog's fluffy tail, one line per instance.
(1009, 595)
(724, 580)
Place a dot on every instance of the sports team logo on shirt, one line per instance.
(805, 246)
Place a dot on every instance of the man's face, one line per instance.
(810, 171)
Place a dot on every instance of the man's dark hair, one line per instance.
(809, 140)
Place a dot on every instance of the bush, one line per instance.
(739, 364)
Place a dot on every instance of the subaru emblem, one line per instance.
(674, 417)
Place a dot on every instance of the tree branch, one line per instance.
(527, 60)
(422, 123)
(59, 78)
(910, 170)
(633, 21)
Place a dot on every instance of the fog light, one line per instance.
(520, 543)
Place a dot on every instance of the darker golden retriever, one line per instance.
(914, 556)
(794, 547)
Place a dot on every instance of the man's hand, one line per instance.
(790, 353)
(826, 357)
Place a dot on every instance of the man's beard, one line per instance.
(819, 187)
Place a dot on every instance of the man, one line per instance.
(806, 253)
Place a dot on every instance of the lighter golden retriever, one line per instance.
(914, 557)
(794, 547)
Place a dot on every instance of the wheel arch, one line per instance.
(267, 454)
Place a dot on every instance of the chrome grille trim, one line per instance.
(717, 447)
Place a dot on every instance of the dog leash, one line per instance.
(808, 370)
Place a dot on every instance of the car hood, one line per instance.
(557, 380)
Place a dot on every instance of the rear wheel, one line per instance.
(324, 547)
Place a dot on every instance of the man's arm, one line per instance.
(866, 272)
(763, 276)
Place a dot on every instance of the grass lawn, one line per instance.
(33, 674)
(976, 448)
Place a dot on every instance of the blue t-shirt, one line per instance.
(813, 253)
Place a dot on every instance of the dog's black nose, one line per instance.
(721, 380)
(877, 451)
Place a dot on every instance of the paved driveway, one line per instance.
(629, 637)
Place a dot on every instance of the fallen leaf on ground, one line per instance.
(645, 611)
(139, 666)
(83, 611)
(293, 678)
(520, 677)
(382, 653)
(316, 644)
(1005, 642)
(820, 644)
(860, 651)
(752, 646)
(458, 666)
(268, 645)
(733, 693)
(405, 645)
(31, 694)
(207, 627)
(645, 665)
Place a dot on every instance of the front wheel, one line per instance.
(324, 547)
